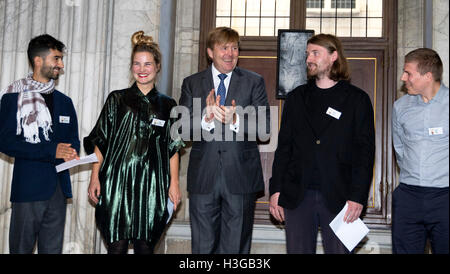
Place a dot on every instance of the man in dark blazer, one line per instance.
(224, 172)
(38, 127)
(325, 154)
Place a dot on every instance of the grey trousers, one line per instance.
(41, 221)
(221, 222)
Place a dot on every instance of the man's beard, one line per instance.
(48, 72)
(316, 72)
(312, 73)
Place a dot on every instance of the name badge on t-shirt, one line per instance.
(157, 122)
(334, 113)
(64, 119)
(436, 131)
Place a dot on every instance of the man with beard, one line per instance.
(39, 128)
(325, 154)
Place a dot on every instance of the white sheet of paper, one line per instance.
(92, 158)
(169, 209)
(349, 234)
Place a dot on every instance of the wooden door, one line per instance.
(264, 63)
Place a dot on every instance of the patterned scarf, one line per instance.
(32, 112)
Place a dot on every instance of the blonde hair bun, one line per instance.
(139, 38)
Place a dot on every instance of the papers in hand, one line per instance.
(349, 234)
(92, 158)
(169, 209)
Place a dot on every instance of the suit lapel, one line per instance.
(234, 87)
(207, 83)
(56, 112)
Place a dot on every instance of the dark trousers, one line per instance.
(303, 222)
(41, 221)
(418, 214)
(221, 222)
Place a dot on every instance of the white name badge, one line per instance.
(436, 131)
(334, 113)
(157, 122)
(64, 119)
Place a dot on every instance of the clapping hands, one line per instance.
(223, 114)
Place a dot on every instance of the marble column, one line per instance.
(411, 32)
(185, 63)
(166, 44)
(440, 34)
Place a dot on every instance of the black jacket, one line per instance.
(344, 150)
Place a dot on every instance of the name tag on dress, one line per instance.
(334, 113)
(157, 122)
(64, 119)
(436, 131)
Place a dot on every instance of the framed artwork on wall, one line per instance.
(291, 64)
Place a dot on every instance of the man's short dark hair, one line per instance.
(41, 45)
(427, 60)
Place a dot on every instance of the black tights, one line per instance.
(121, 247)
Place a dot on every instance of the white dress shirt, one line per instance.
(215, 74)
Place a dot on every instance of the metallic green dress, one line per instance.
(133, 135)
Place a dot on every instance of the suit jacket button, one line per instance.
(318, 142)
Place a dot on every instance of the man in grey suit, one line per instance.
(224, 173)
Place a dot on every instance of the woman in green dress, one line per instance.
(138, 162)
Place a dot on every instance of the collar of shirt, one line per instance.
(216, 79)
(440, 95)
(438, 98)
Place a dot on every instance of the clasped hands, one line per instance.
(223, 114)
